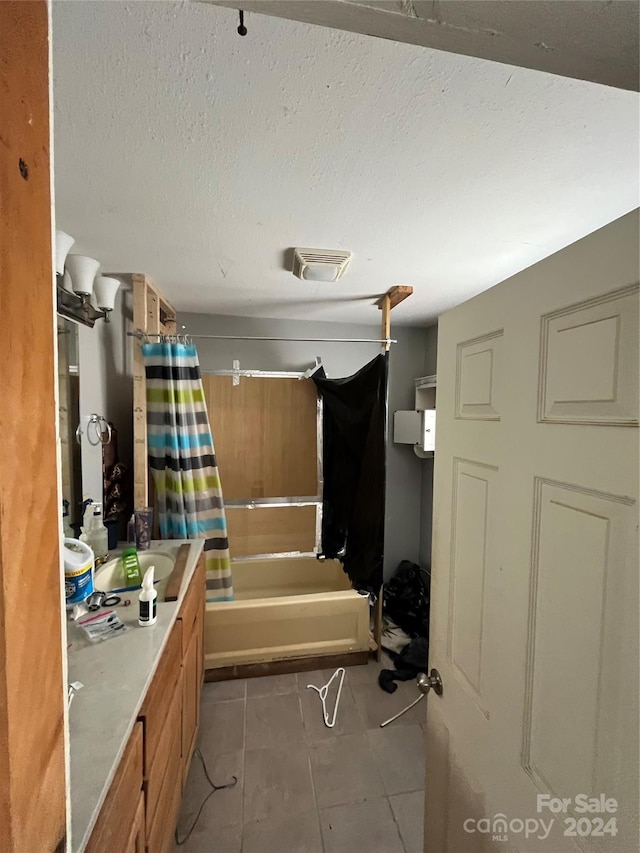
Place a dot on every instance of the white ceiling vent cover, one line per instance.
(320, 264)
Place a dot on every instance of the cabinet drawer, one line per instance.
(193, 603)
(119, 812)
(160, 694)
(164, 757)
(160, 831)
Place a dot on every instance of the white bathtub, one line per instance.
(286, 609)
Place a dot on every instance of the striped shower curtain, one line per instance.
(182, 459)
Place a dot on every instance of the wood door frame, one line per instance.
(154, 316)
(33, 708)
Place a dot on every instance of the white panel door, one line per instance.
(534, 613)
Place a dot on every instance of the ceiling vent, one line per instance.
(320, 264)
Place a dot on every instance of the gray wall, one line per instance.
(407, 361)
(106, 386)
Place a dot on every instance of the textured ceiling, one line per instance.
(199, 157)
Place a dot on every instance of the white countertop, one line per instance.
(115, 674)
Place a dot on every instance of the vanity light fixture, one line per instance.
(64, 242)
(82, 295)
(106, 288)
(83, 271)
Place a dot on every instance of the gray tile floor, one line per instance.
(304, 788)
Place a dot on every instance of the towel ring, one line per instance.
(100, 427)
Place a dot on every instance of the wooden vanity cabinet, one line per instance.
(118, 824)
(161, 715)
(171, 712)
(192, 618)
(141, 809)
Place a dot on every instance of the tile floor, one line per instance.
(304, 788)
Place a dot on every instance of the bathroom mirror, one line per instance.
(69, 419)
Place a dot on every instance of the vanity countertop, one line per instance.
(115, 674)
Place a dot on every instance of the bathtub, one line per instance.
(287, 609)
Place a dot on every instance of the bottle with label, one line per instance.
(100, 535)
(131, 567)
(94, 533)
(78, 571)
(147, 600)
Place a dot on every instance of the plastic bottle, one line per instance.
(99, 535)
(78, 571)
(131, 567)
(147, 600)
(94, 533)
(87, 521)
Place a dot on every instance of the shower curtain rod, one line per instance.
(141, 335)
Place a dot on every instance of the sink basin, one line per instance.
(111, 575)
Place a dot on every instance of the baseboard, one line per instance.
(282, 667)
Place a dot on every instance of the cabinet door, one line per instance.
(157, 702)
(137, 836)
(120, 810)
(191, 686)
(160, 832)
(167, 755)
(192, 618)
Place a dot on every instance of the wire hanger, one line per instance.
(322, 693)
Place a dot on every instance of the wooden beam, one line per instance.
(385, 332)
(140, 457)
(386, 303)
(32, 689)
(152, 314)
(396, 295)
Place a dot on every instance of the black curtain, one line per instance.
(354, 456)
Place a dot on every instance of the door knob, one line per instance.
(425, 684)
(430, 682)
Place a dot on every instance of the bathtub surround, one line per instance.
(182, 459)
(404, 516)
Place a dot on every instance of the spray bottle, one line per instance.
(147, 614)
(94, 533)
(100, 535)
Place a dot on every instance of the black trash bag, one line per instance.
(412, 660)
(406, 599)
